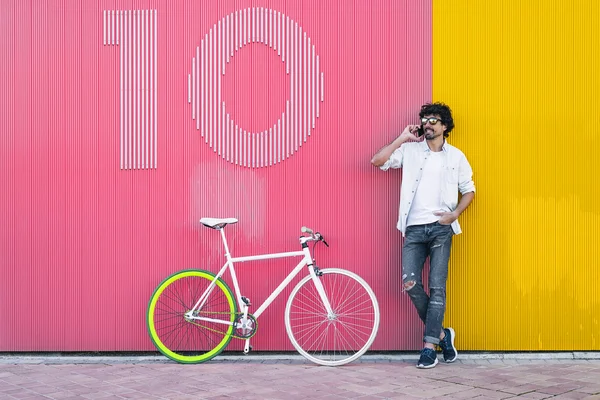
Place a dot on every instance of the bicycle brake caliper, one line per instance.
(317, 270)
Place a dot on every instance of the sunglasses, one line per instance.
(431, 120)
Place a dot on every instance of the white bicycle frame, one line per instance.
(306, 261)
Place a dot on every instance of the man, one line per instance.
(433, 172)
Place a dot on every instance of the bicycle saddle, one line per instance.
(217, 223)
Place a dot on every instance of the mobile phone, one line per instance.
(420, 131)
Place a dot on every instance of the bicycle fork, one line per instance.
(315, 276)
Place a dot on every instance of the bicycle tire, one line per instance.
(187, 341)
(344, 337)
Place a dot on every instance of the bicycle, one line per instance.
(331, 316)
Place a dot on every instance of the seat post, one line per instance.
(227, 255)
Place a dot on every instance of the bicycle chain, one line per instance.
(220, 332)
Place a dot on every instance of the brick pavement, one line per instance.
(373, 377)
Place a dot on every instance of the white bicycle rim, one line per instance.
(339, 340)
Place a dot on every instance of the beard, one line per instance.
(431, 135)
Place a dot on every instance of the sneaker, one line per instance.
(447, 345)
(428, 358)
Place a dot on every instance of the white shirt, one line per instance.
(428, 197)
(457, 176)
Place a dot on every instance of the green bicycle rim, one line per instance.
(152, 306)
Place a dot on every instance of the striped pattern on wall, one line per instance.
(522, 78)
(84, 243)
(282, 34)
(135, 32)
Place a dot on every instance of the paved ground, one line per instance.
(290, 377)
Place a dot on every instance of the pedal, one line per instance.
(246, 301)
(248, 351)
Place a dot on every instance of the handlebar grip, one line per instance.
(307, 230)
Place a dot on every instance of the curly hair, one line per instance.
(443, 111)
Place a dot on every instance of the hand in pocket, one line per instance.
(446, 218)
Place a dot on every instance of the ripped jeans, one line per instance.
(433, 240)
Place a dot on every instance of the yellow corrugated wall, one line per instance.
(522, 78)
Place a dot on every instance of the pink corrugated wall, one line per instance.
(83, 241)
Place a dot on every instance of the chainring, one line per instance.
(244, 329)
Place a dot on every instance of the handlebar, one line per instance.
(307, 230)
(314, 235)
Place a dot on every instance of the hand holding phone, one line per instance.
(411, 133)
